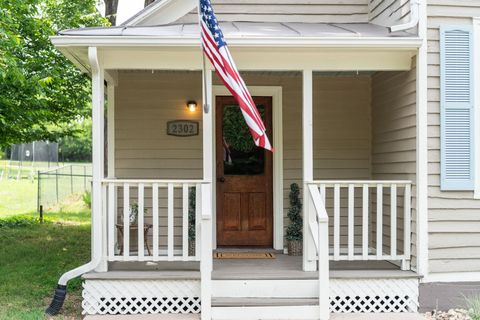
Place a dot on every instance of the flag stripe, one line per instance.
(216, 50)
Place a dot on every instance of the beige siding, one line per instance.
(452, 215)
(394, 140)
(319, 11)
(389, 12)
(145, 101)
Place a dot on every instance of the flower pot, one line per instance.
(295, 247)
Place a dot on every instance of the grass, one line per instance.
(17, 197)
(34, 255)
(473, 306)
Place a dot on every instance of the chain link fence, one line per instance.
(55, 185)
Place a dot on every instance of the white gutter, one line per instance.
(414, 18)
(61, 290)
(265, 42)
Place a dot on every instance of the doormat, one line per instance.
(244, 255)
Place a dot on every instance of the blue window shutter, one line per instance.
(457, 108)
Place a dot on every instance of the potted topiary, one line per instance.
(191, 222)
(294, 230)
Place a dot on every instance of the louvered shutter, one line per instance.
(457, 108)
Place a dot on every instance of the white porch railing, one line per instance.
(371, 219)
(161, 231)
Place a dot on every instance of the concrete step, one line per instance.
(337, 316)
(263, 302)
(265, 288)
(307, 312)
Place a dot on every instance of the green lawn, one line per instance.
(34, 255)
(17, 197)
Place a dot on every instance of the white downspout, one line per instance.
(414, 18)
(98, 173)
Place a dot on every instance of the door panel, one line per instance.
(244, 178)
(232, 211)
(257, 207)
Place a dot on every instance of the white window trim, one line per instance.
(476, 83)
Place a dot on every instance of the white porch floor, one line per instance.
(288, 267)
(282, 267)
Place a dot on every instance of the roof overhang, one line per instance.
(250, 53)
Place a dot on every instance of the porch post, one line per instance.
(422, 146)
(207, 199)
(309, 252)
(98, 156)
(111, 84)
(111, 129)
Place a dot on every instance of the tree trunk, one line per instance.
(147, 2)
(111, 7)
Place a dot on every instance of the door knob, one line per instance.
(221, 179)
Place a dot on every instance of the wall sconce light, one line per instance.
(192, 106)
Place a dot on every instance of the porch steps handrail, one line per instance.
(319, 231)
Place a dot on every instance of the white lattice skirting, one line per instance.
(373, 295)
(140, 296)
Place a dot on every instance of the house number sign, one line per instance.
(182, 128)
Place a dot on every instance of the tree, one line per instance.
(41, 92)
(147, 2)
(111, 8)
(78, 146)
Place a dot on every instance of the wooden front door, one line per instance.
(244, 177)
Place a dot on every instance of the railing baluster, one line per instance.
(198, 221)
(170, 222)
(351, 221)
(185, 201)
(407, 224)
(155, 220)
(140, 222)
(323, 193)
(393, 221)
(365, 222)
(111, 221)
(126, 221)
(336, 222)
(379, 221)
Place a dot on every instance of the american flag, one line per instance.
(216, 50)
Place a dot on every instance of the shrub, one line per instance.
(87, 199)
(191, 214)
(17, 222)
(473, 306)
(294, 230)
